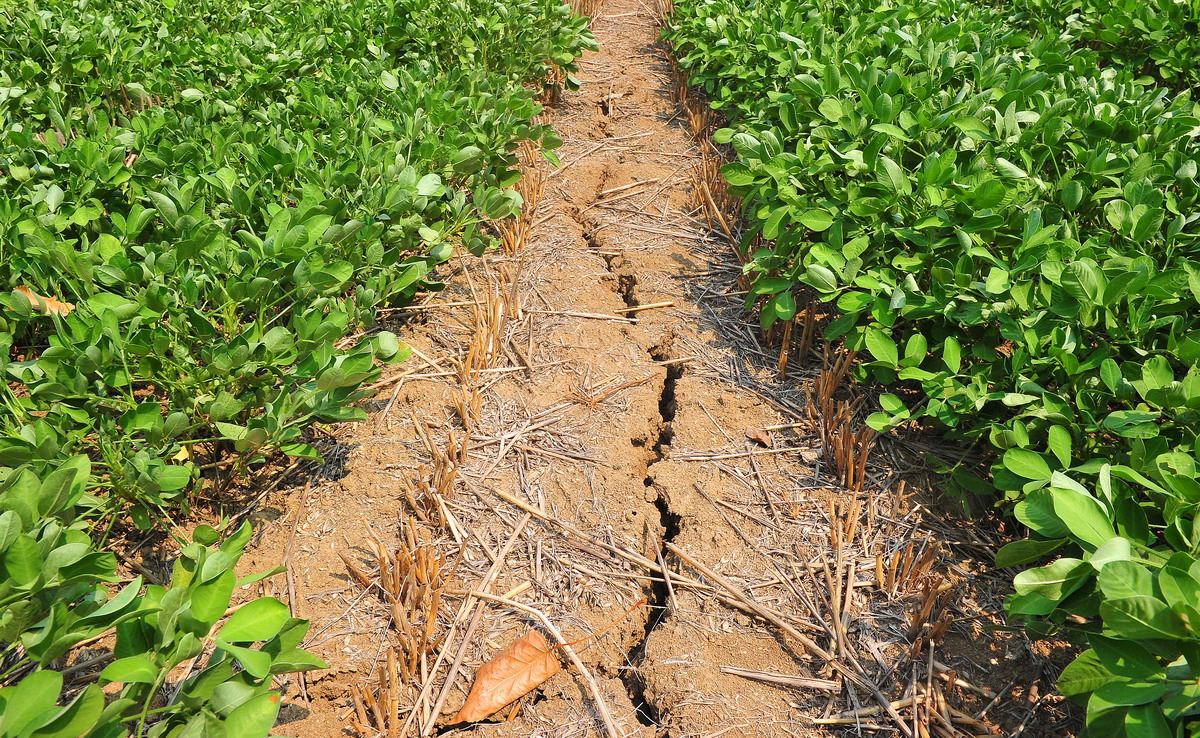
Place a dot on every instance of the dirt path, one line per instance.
(604, 375)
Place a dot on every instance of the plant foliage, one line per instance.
(1002, 203)
(213, 195)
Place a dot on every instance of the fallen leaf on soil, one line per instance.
(46, 305)
(760, 436)
(513, 673)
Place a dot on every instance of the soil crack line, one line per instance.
(616, 264)
(659, 598)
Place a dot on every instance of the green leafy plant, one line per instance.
(212, 197)
(1004, 214)
(223, 208)
(55, 595)
(1156, 38)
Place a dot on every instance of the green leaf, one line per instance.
(1132, 423)
(989, 194)
(892, 130)
(1141, 617)
(28, 700)
(1126, 658)
(429, 185)
(1058, 438)
(952, 355)
(1083, 676)
(1037, 511)
(118, 603)
(165, 207)
(206, 535)
(203, 725)
(76, 718)
(1071, 195)
(1054, 581)
(172, 477)
(774, 223)
(106, 301)
(1119, 215)
(1026, 463)
(10, 529)
(817, 220)
(301, 451)
(130, 670)
(1178, 584)
(882, 347)
(784, 305)
(54, 197)
(822, 278)
(1018, 553)
(211, 599)
(1083, 515)
(1083, 281)
(1129, 692)
(23, 560)
(296, 660)
(974, 128)
(1147, 721)
(1105, 720)
(256, 663)
(1121, 579)
(892, 404)
(1147, 226)
(1112, 550)
(388, 346)
(832, 109)
(1010, 170)
(737, 174)
(259, 620)
(1157, 373)
(254, 718)
(891, 176)
(229, 695)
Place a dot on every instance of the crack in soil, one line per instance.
(658, 599)
(647, 713)
(617, 265)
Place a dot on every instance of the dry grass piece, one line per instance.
(411, 579)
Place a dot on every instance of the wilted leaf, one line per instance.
(46, 305)
(760, 436)
(513, 673)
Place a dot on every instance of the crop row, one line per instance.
(198, 203)
(1002, 203)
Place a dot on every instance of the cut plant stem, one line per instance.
(649, 306)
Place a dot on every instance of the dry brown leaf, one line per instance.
(760, 436)
(46, 305)
(513, 673)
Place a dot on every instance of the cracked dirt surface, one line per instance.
(620, 382)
